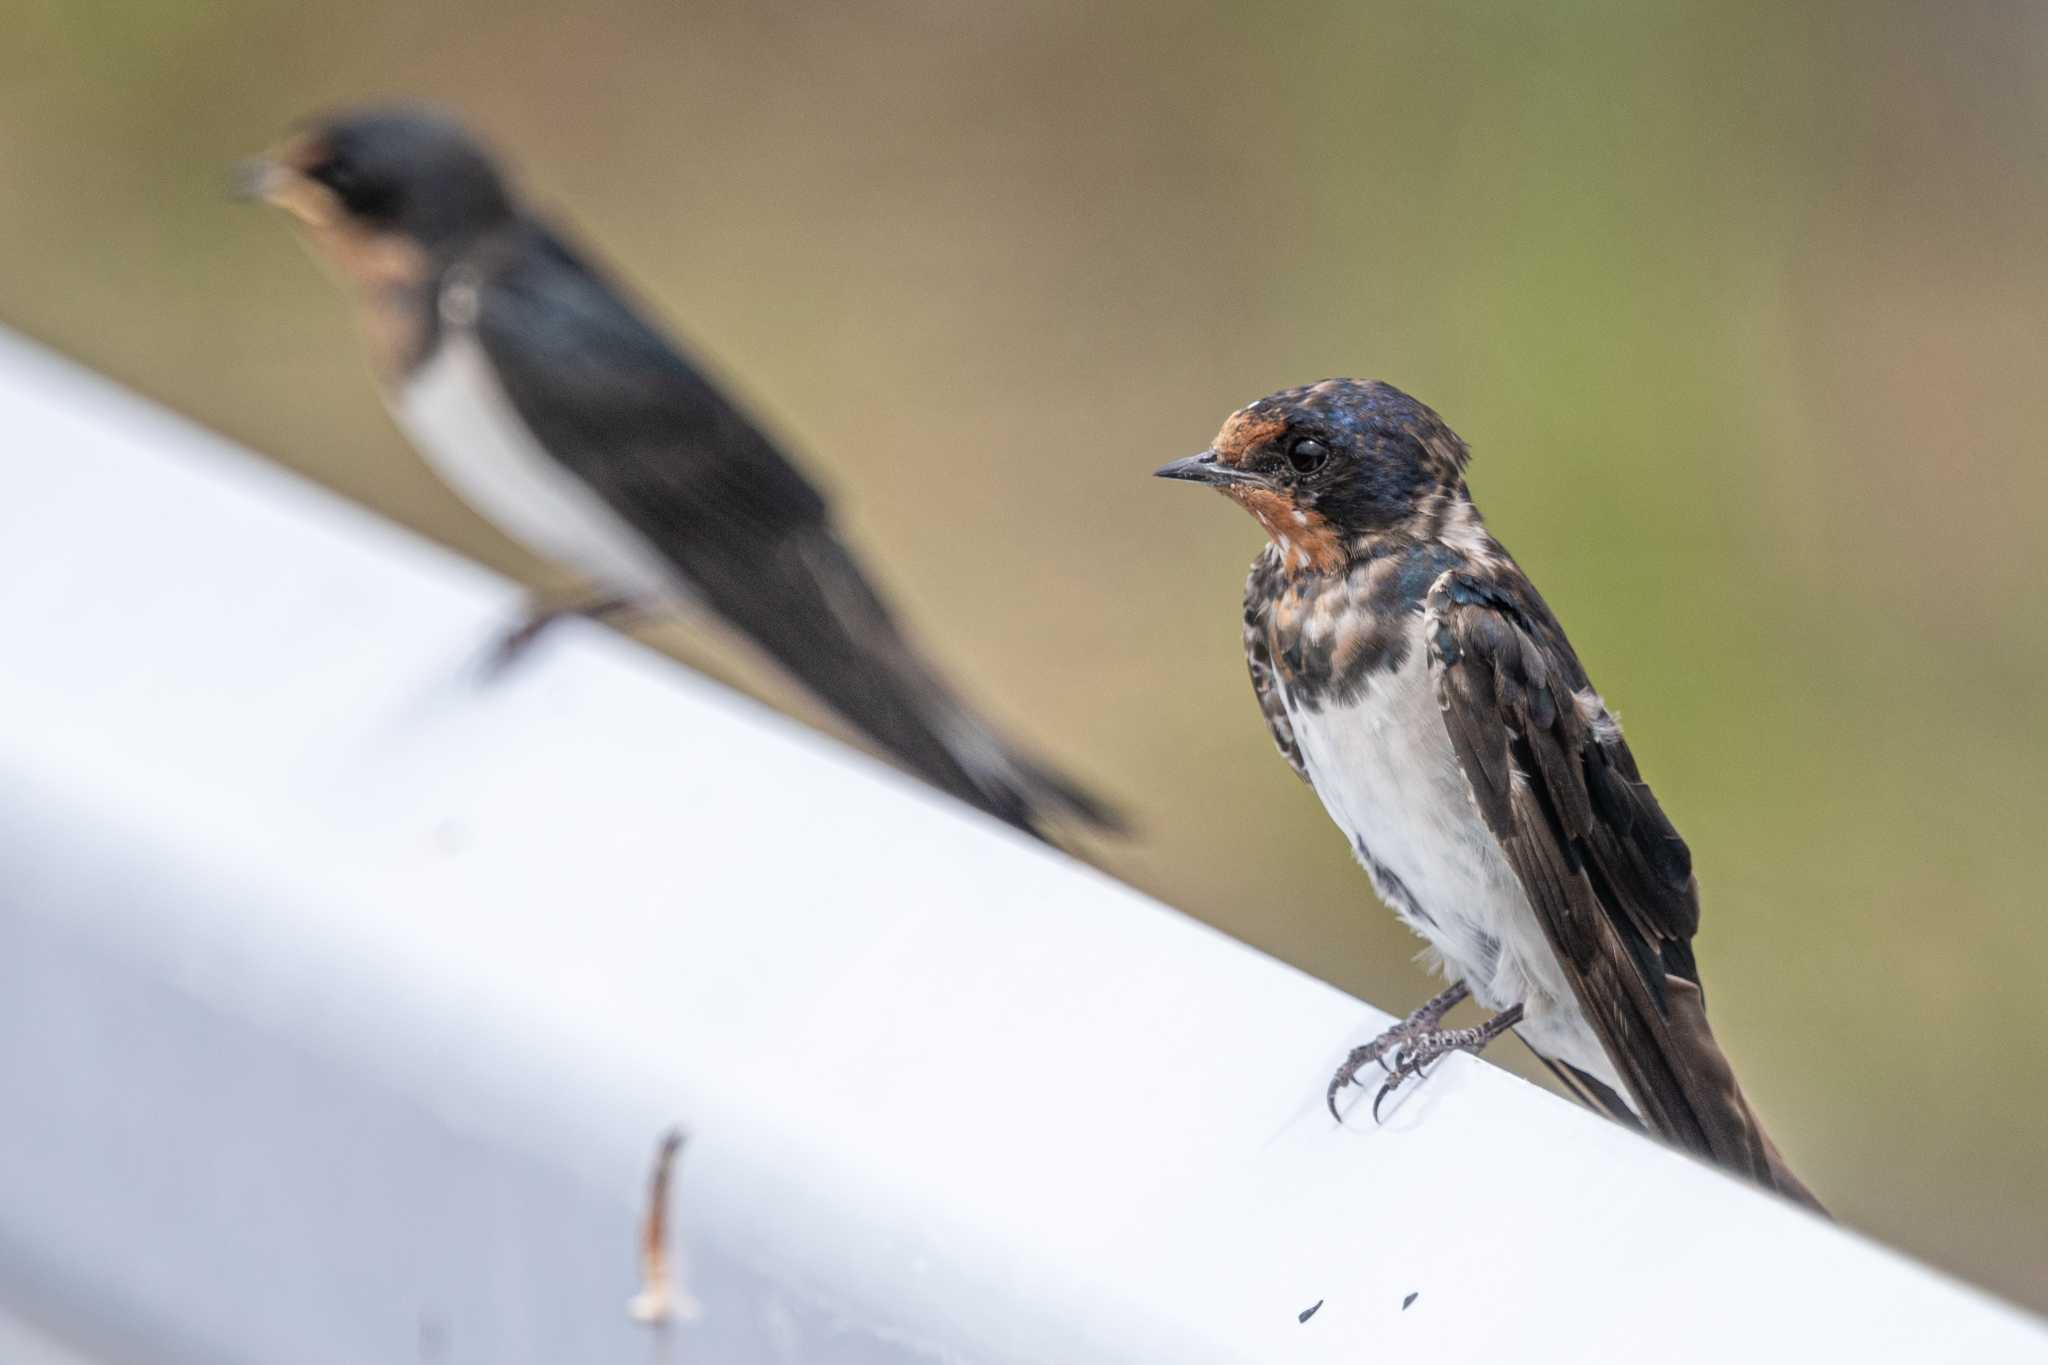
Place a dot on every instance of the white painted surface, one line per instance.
(24, 1343)
(342, 1002)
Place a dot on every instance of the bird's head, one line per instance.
(383, 192)
(1325, 466)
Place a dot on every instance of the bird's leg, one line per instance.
(1421, 1022)
(542, 612)
(1420, 1049)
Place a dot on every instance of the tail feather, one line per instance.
(833, 634)
(1018, 782)
(1736, 1138)
(1682, 1090)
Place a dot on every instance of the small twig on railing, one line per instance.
(661, 1298)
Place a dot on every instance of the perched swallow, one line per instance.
(1411, 674)
(560, 413)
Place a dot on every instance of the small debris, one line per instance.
(660, 1299)
(1410, 1299)
(433, 1337)
(1305, 1314)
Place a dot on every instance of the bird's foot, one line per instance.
(540, 614)
(1422, 1021)
(1421, 1048)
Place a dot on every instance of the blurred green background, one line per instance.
(1743, 308)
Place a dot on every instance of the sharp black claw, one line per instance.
(1381, 1098)
(1406, 1064)
(1347, 1074)
(507, 651)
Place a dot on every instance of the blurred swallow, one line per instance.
(1409, 672)
(545, 398)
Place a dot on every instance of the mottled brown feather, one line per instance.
(1259, 595)
(1612, 887)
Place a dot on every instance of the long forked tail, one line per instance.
(834, 635)
(1008, 781)
(1725, 1130)
(1740, 1142)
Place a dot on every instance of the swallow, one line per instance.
(555, 408)
(1410, 672)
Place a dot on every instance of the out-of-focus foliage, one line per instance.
(1743, 307)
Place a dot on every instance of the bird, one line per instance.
(1409, 672)
(552, 405)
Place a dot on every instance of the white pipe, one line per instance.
(342, 1002)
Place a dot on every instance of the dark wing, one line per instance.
(612, 399)
(1259, 592)
(615, 402)
(1606, 873)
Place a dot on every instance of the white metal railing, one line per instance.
(342, 1002)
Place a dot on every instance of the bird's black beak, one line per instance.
(276, 180)
(1202, 468)
(257, 178)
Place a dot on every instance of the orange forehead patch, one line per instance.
(1242, 431)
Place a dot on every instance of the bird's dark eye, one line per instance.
(1307, 454)
(335, 174)
(357, 193)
